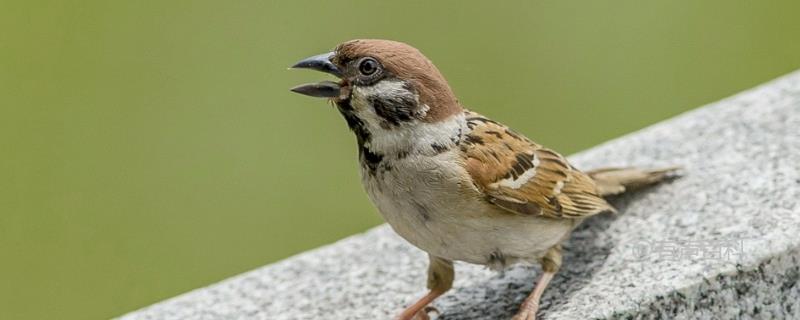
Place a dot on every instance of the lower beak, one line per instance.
(324, 89)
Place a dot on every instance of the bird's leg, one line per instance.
(551, 262)
(440, 279)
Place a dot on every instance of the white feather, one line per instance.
(522, 179)
(409, 136)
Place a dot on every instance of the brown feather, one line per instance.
(612, 181)
(406, 62)
(521, 176)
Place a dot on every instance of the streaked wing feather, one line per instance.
(521, 176)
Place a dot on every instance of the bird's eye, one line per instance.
(368, 66)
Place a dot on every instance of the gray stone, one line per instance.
(719, 243)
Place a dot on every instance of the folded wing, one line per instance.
(522, 177)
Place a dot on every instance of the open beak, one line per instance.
(324, 89)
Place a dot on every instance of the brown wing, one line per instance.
(520, 176)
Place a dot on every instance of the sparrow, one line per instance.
(456, 184)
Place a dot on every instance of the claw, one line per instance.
(430, 309)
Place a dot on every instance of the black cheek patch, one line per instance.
(395, 109)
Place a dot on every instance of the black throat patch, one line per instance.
(394, 108)
(369, 159)
(355, 124)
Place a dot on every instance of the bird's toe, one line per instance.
(525, 315)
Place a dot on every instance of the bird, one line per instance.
(452, 182)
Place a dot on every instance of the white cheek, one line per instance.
(388, 89)
(360, 101)
(409, 136)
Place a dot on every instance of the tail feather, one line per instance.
(614, 181)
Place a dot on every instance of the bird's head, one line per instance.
(384, 86)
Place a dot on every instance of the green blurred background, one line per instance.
(151, 147)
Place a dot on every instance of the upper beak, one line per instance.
(325, 89)
(320, 62)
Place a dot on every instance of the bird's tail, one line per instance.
(614, 181)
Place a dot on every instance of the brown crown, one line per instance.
(407, 63)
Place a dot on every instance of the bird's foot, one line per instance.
(423, 314)
(527, 311)
(430, 309)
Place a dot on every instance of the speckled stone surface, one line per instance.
(722, 242)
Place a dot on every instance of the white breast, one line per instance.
(429, 201)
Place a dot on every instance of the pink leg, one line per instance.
(530, 307)
(417, 310)
(440, 279)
